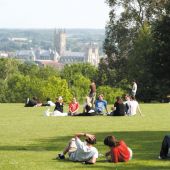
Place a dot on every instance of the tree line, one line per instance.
(137, 46)
(24, 80)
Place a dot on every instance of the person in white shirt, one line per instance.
(134, 88)
(127, 104)
(81, 151)
(49, 103)
(134, 107)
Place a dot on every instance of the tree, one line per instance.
(160, 60)
(80, 86)
(86, 69)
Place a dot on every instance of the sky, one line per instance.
(53, 13)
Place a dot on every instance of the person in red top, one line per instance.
(119, 151)
(73, 107)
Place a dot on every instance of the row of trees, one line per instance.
(137, 45)
(21, 80)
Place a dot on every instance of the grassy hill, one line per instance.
(31, 141)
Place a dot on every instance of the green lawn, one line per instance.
(30, 141)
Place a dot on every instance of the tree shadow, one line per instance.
(144, 144)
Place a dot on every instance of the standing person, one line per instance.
(101, 105)
(73, 107)
(119, 151)
(92, 93)
(134, 107)
(134, 88)
(81, 151)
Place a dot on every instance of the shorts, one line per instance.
(72, 150)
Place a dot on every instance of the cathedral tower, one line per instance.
(60, 41)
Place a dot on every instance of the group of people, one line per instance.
(86, 152)
(128, 107)
(92, 106)
(35, 102)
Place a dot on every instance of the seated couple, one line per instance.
(34, 102)
(129, 107)
(100, 107)
(85, 151)
(59, 107)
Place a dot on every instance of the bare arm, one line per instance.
(91, 161)
(85, 135)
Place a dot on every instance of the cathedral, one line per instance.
(90, 55)
(59, 55)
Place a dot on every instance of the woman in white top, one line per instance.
(134, 107)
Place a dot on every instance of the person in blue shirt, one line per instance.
(100, 105)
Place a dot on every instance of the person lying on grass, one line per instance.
(81, 151)
(119, 152)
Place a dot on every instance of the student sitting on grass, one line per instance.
(73, 107)
(119, 152)
(48, 103)
(100, 105)
(87, 109)
(58, 110)
(81, 151)
(134, 107)
(119, 108)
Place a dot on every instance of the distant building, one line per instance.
(90, 55)
(25, 55)
(20, 40)
(59, 55)
(3, 54)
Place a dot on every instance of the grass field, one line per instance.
(30, 141)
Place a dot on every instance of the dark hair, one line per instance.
(34, 98)
(111, 141)
(91, 141)
(118, 98)
(133, 97)
(48, 99)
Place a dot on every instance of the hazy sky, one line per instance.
(53, 13)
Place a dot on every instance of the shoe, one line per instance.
(159, 157)
(61, 156)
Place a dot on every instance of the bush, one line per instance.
(110, 93)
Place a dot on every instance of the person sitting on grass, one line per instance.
(127, 104)
(87, 108)
(119, 152)
(119, 108)
(58, 110)
(73, 107)
(48, 103)
(81, 151)
(134, 107)
(100, 105)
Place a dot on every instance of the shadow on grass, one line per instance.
(145, 145)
